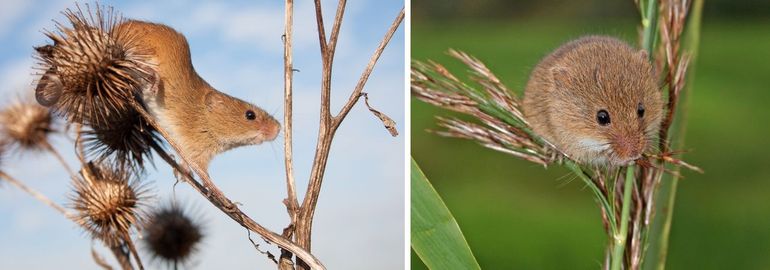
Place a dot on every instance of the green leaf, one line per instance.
(436, 237)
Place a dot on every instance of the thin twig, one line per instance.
(291, 201)
(336, 31)
(218, 199)
(37, 195)
(256, 246)
(58, 157)
(121, 254)
(368, 71)
(42, 198)
(328, 124)
(132, 249)
(100, 260)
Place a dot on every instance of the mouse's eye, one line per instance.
(250, 115)
(640, 110)
(603, 117)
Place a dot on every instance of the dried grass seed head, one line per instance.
(127, 144)
(26, 124)
(93, 71)
(172, 235)
(108, 202)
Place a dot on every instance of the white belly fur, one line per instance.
(158, 112)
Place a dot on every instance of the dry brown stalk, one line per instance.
(672, 21)
(291, 202)
(99, 260)
(301, 227)
(230, 209)
(37, 195)
(122, 255)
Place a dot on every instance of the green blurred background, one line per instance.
(517, 215)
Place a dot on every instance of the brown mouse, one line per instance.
(204, 121)
(595, 99)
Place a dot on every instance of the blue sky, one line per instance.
(236, 46)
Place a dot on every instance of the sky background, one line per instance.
(236, 46)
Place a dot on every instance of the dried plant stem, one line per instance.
(122, 256)
(329, 123)
(58, 157)
(622, 235)
(132, 250)
(99, 260)
(356, 94)
(37, 195)
(291, 202)
(217, 198)
(668, 187)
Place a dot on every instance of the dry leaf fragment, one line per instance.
(390, 125)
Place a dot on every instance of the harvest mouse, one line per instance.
(596, 100)
(203, 120)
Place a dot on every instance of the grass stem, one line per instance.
(622, 235)
(650, 26)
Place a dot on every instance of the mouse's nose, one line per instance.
(270, 128)
(629, 147)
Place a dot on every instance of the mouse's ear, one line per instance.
(48, 89)
(214, 100)
(643, 55)
(560, 75)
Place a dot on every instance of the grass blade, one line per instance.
(666, 197)
(436, 237)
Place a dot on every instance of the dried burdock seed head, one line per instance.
(107, 202)
(93, 71)
(172, 235)
(127, 143)
(26, 125)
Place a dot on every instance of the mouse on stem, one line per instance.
(95, 70)
(203, 120)
(595, 99)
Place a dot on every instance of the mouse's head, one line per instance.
(234, 122)
(609, 109)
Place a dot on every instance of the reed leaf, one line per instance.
(436, 236)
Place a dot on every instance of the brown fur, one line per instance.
(203, 120)
(567, 89)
